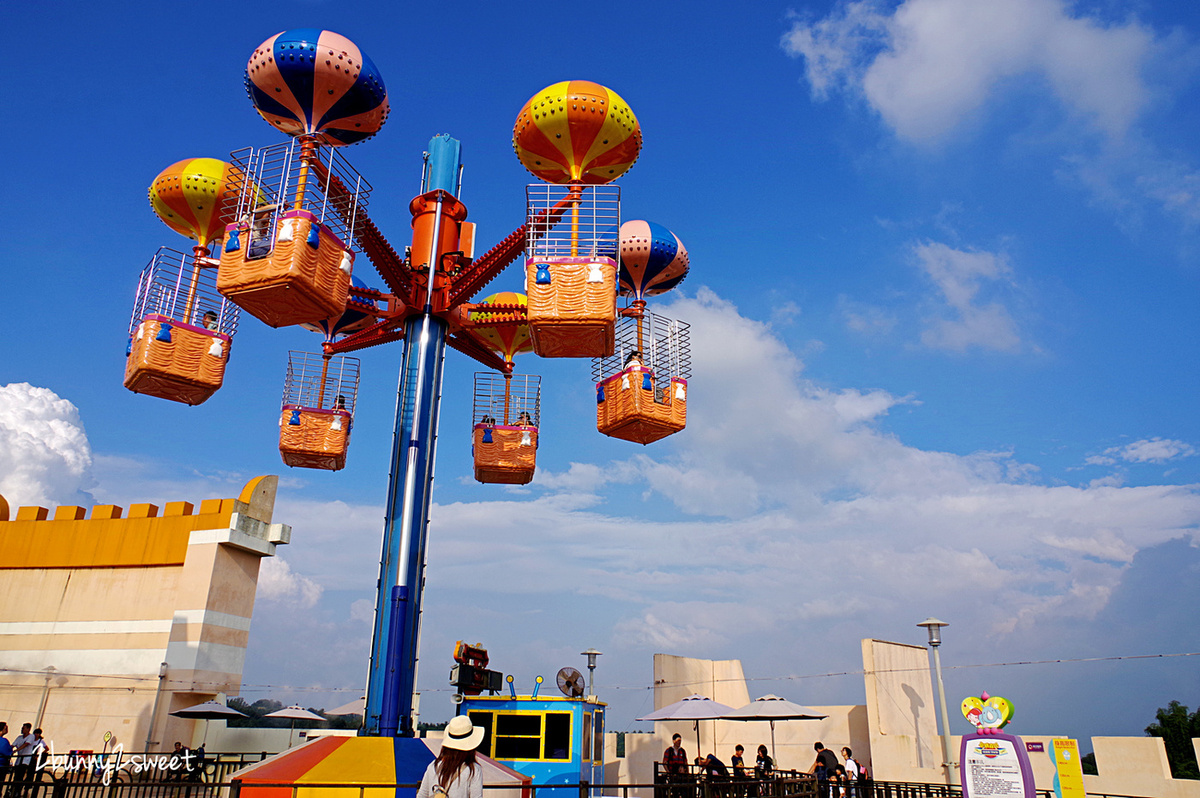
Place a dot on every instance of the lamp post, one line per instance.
(50, 670)
(934, 627)
(162, 675)
(591, 654)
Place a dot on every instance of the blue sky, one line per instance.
(945, 259)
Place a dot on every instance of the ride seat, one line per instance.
(627, 406)
(572, 305)
(504, 455)
(176, 361)
(311, 437)
(303, 279)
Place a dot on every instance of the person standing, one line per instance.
(22, 764)
(738, 761)
(41, 752)
(455, 774)
(763, 764)
(675, 758)
(675, 762)
(825, 762)
(6, 751)
(851, 771)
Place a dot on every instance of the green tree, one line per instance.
(1177, 728)
(1088, 763)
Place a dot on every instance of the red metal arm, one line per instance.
(372, 242)
(465, 341)
(485, 268)
(381, 332)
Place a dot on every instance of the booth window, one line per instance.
(558, 736)
(598, 738)
(525, 735)
(587, 736)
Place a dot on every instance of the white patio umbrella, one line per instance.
(294, 713)
(356, 707)
(772, 708)
(694, 708)
(209, 710)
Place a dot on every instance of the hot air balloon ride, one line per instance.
(507, 408)
(181, 329)
(320, 392)
(578, 137)
(641, 390)
(288, 257)
(319, 396)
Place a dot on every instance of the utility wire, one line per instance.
(258, 688)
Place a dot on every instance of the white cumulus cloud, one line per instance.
(278, 582)
(1147, 450)
(45, 458)
(960, 276)
(929, 64)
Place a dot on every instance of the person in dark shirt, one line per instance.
(825, 762)
(713, 767)
(675, 765)
(675, 758)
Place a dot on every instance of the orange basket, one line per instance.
(630, 406)
(303, 278)
(504, 455)
(573, 308)
(312, 438)
(176, 361)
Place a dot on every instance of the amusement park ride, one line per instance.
(280, 230)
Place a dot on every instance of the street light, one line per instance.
(591, 654)
(934, 627)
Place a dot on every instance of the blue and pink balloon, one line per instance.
(653, 259)
(310, 82)
(356, 317)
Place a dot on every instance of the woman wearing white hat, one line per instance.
(454, 773)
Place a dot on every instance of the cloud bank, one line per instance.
(785, 515)
(45, 458)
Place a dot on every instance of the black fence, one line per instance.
(125, 775)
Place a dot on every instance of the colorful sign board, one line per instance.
(1068, 769)
(995, 764)
(992, 762)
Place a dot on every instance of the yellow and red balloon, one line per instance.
(196, 197)
(577, 131)
(507, 340)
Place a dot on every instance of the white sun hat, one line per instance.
(461, 734)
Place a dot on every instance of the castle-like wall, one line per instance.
(106, 620)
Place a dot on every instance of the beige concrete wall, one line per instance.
(901, 713)
(637, 766)
(676, 678)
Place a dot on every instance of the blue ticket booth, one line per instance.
(553, 740)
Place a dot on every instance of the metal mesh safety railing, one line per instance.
(273, 180)
(664, 344)
(523, 399)
(572, 221)
(175, 286)
(325, 383)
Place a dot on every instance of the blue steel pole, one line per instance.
(391, 680)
